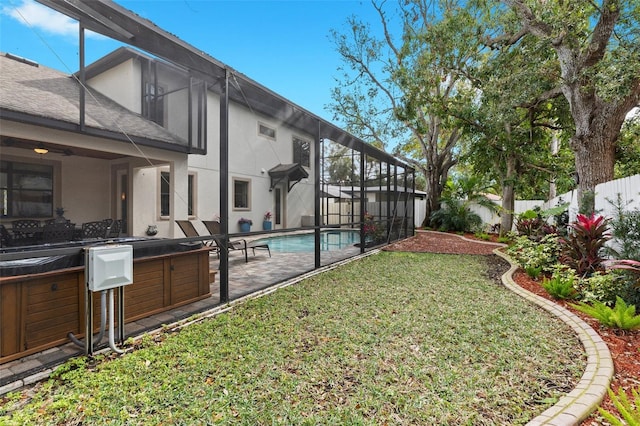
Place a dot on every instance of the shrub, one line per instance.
(541, 254)
(455, 215)
(602, 287)
(630, 276)
(373, 231)
(482, 236)
(625, 230)
(560, 287)
(621, 316)
(582, 248)
(533, 271)
(630, 412)
(504, 240)
(533, 223)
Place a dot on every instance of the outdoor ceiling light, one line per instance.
(40, 149)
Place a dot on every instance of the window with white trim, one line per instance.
(241, 194)
(266, 131)
(165, 194)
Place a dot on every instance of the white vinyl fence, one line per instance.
(606, 194)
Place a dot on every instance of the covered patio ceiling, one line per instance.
(30, 145)
(112, 20)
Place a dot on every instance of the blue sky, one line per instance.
(283, 44)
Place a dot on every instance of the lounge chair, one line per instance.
(190, 231)
(213, 227)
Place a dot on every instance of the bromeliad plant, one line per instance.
(582, 248)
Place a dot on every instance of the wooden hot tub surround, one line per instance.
(37, 311)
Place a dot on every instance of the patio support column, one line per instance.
(179, 177)
(413, 202)
(224, 188)
(82, 75)
(363, 201)
(316, 201)
(389, 217)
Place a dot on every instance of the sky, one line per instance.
(284, 45)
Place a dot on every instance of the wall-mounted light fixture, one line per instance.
(40, 149)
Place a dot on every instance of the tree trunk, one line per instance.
(594, 149)
(508, 199)
(434, 192)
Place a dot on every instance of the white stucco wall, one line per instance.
(251, 155)
(122, 83)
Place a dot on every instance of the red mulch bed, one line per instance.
(622, 345)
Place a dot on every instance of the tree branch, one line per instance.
(609, 14)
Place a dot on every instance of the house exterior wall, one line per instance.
(122, 83)
(251, 155)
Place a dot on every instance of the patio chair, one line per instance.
(57, 233)
(190, 231)
(6, 239)
(95, 229)
(25, 231)
(213, 227)
(114, 229)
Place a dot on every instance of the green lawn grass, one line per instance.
(395, 338)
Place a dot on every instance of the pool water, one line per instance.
(304, 243)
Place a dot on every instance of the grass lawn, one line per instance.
(395, 338)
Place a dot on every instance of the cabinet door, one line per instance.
(185, 278)
(51, 309)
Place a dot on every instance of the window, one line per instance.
(266, 131)
(153, 105)
(165, 194)
(301, 152)
(26, 190)
(241, 194)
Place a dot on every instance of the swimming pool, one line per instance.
(304, 243)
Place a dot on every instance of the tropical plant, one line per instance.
(534, 222)
(267, 216)
(373, 230)
(455, 215)
(630, 270)
(630, 411)
(621, 316)
(560, 287)
(458, 196)
(533, 271)
(583, 246)
(541, 254)
(602, 287)
(243, 220)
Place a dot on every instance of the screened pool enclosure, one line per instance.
(163, 133)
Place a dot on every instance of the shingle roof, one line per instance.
(46, 93)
